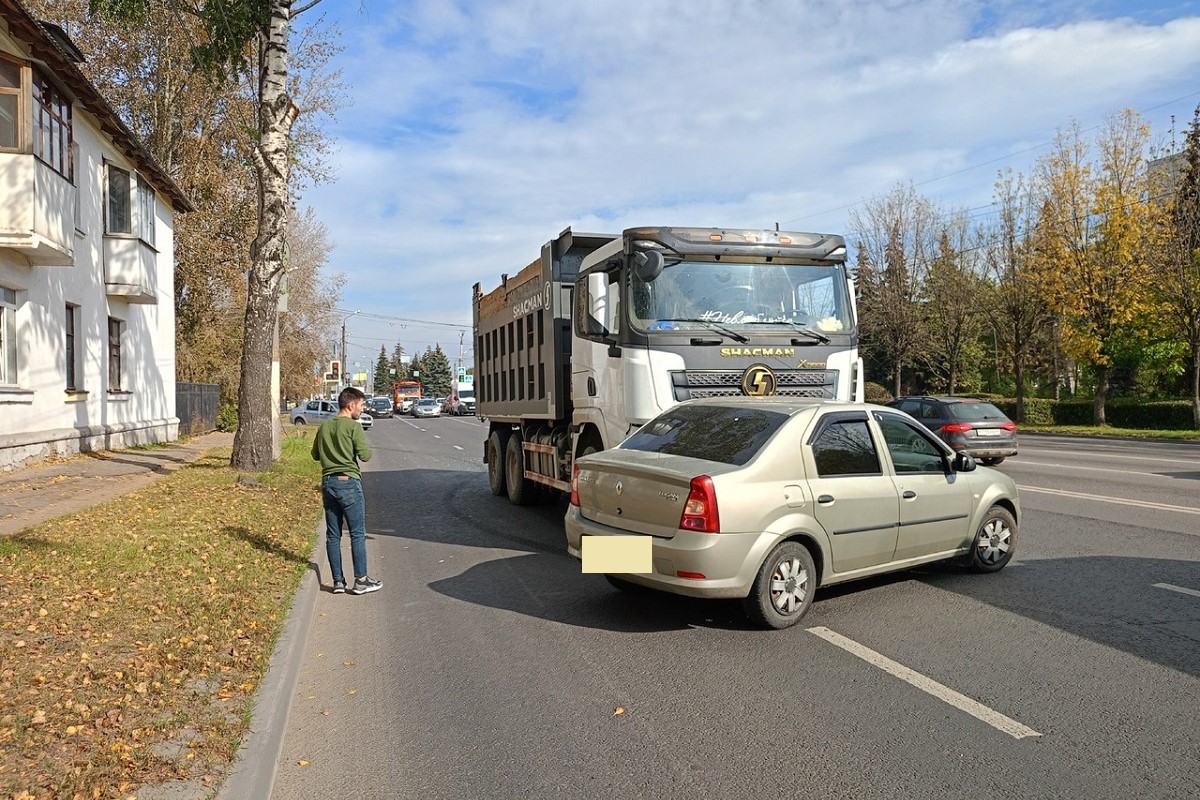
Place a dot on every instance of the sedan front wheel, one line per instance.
(995, 541)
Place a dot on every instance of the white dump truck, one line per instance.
(603, 332)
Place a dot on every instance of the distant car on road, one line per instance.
(769, 499)
(427, 407)
(965, 423)
(314, 412)
(380, 407)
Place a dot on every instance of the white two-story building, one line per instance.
(87, 313)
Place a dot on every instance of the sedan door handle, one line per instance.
(825, 499)
(909, 494)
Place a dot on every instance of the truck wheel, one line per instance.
(521, 492)
(495, 461)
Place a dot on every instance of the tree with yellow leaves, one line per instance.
(1092, 235)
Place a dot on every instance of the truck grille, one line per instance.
(728, 382)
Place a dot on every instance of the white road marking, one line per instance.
(1110, 455)
(927, 685)
(456, 447)
(1092, 469)
(1180, 589)
(436, 436)
(1118, 500)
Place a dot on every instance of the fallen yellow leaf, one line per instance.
(302, 763)
(620, 710)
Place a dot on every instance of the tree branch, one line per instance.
(298, 11)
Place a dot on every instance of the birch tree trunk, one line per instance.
(254, 444)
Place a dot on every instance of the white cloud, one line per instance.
(480, 130)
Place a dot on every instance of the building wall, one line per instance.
(39, 418)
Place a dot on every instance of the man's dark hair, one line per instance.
(349, 395)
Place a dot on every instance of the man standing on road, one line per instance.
(339, 445)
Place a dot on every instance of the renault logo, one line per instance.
(620, 487)
(758, 381)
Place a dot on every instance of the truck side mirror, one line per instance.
(648, 264)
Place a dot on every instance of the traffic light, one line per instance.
(335, 368)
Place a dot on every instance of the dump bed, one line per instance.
(522, 331)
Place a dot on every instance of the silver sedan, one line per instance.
(769, 499)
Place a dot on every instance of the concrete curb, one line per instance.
(257, 760)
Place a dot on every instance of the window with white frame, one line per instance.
(10, 104)
(71, 321)
(52, 126)
(8, 336)
(115, 329)
(118, 217)
(145, 193)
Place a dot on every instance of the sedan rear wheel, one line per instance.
(298, 421)
(783, 590)
(994, 542)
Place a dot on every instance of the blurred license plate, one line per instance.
(989, 432)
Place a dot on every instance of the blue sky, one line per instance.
(476, 131)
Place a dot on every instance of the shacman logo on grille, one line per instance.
(758, 381)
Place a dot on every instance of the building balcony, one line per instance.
(37, 211)
(130, 269)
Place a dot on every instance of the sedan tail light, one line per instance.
(956, 427)
(575, 484)
(700, 510)
(1009, 426)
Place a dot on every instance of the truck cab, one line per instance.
(663, 315)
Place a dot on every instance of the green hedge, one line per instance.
(1038, 411)
(1154, 415)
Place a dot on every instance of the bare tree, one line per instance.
(953, 299)
(1019, 307)
(897, 237)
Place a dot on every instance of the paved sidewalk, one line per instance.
(35, 494)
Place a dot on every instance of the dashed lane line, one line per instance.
(1117, 500)
(1172, 588)
(928, 685)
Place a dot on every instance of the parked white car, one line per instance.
(314, 412)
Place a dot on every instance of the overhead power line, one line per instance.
(388, 318)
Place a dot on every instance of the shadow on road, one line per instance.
(1108, 600)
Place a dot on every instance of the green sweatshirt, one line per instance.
(339, 445)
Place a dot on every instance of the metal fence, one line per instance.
(196, 406)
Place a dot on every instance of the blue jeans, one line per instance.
(343, 499)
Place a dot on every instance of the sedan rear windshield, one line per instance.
(976, 412)
(725, 434)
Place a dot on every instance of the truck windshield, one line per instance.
(688, 293)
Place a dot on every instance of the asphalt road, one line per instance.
(490, 667)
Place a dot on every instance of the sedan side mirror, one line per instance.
(963, 462)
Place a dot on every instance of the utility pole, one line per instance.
(461, 334)
(343, 375)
